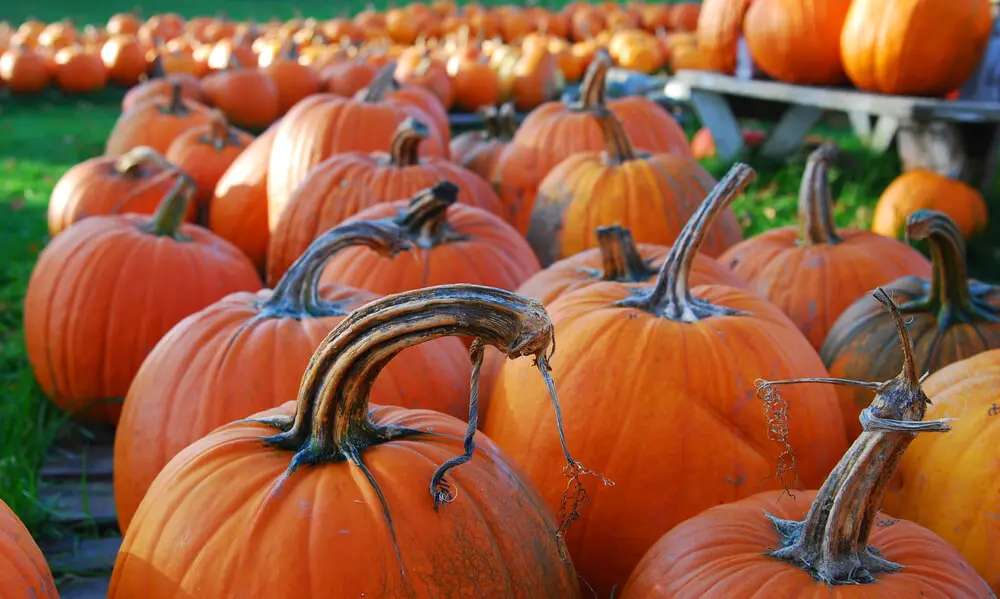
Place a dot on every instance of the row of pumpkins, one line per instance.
(902, 47)
(469, 58)
(330, 418)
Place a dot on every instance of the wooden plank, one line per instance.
(715, 113)
(85, 588)
(79, 502)
(791, 130)
(845, 100)
(80, 556)
(95, 462)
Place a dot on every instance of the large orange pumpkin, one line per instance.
(884, 44)
(950, 483)
(458, 244)
(134, 182)
(348, 183)
(246, 353)
(556, 131)
(266, 506)
(651, 195)
(951, 317)
(23, 569)
(323, 125)
(720, 27)
(156, 122)
(834, 543)
(814, 271)
(206, 151)
(797, 41)
(479, 150)
(617, 258)
(672, 363)
(238, 211)
(108, 288)
(923, 189)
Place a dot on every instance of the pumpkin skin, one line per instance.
(497, 521)
(246, 353)
(206, 152)
(123, 280)
(156, 123)
(135, 182)
(314, 130)
(797, 42)
(651, 195)
(922, 189)
(479, 151)
(951, 316)
(348, 77)
(23, 569)
(79, 71)
(814, 272)
(720, 25)
(724, 436)
(248, 97)
(459, 244)
(23, 70)
(555, 131)
(345, 184)
(883, 44)
(949, 484)
(618, 258)
(124, 59)
(294, 81)
(238, 211)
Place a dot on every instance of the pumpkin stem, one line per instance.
(617, 146)
(383, 82)
(405, 148)
(297, 293)
(425, 219)
(158, 71)
(816, 224)
(166, 221)
(671, 296)
(129, 163)
(506, 122)
(950, 294)
(220, 134)
(176, 105)
(592, 90)
(491, 121)
(831, 544)
(620, 257)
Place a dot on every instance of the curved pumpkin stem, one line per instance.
(816, 224)
(297, 293)
(405, 148)
(620, 257)
(426, 218)
(176, 105)
(831, 544)
(220, 134)
(158, 71)
(166, 221)
(671, 296)
(617, 146)
(130, 162)
(592, 89)
(383, 82)
(506, 121)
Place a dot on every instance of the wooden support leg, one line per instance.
(715, 113)
(885, 131)
(861, 124)
(790, 131)
(935, 146)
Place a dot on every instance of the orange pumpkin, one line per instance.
(617, 258)
(23, 70)
(555, 131)
(123, 23)
(834, 543)
(348, 183)
(210, 369)
(651, 195)
(359, 473)
(294, 81)
(248, 97)
(346, 78)
(796, 41)
(922, 189)
(124, 59)
(134, 182)
(884, 44)
(79, 71)
(720, 26)
(458, 244)
(684, 16)
(107, 289)
(951, 317)
(533, 80)
(478, 151)
(156, 122)
(206, 151)
(23, 569)
(421, 69)
(657, 340)
(162, 84)
(238, 210)
(323, 125)
(949, 483)
(475, 84)
(814, 271)
(420, 98)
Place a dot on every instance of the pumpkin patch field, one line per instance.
(439, 299)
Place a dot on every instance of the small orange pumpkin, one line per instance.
(248, 97)
(156, 122)
(23, 70)
(125, 60)
(294, 81)
(478, 151)
(25, 573)
(79, 71)
(162, 84)
(206, 151)
(921, 189)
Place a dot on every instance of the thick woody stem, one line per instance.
(426, 218)
(620, 257)
(816, 224)
(166, 221)
(592, 89)
(383, 82)
(405, 148)
(617, 146)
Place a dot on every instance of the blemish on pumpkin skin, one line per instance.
(736, 481)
